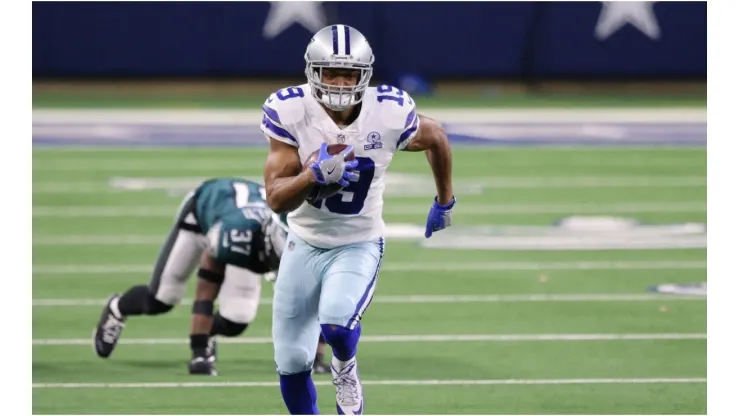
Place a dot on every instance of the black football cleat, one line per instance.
(202, 365)
(108, 331)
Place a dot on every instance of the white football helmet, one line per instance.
(340, 47)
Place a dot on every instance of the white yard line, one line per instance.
(493, 182)
(165, 211)
(402, 338)
(251, 163)
(410, 299)
(415, 299)
(545, 182)
(98, 240)
(76, 187)
(105, 269)
(567, 209)
(221, 384)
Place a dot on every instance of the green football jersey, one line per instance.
(234, 214)
(219, 197)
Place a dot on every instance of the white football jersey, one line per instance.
(387, 122)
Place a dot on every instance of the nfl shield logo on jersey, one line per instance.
(374, 141)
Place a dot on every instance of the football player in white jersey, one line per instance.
(329, 269)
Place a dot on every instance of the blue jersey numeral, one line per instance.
(358, 190)
(388, 88)
(288, 93)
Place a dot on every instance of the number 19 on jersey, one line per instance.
(351, 199)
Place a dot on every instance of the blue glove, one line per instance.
(329, 169)
(440, 217)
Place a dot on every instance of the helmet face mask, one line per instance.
(333, 49)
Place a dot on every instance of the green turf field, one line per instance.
(449, 332)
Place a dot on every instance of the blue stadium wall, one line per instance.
(439, 40)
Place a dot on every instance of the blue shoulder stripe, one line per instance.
(277, 130)
(405, 135)
(272, 114)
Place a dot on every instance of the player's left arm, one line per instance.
(432, 140)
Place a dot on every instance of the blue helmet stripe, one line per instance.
(335, 39)
(346, 40)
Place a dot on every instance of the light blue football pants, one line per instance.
(319, 286)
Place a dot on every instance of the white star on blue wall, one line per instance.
(616, 14)
(283, 14)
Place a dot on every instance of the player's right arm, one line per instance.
(287, 184)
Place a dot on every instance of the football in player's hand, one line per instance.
(324, 191)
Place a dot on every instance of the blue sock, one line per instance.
(343, 341)
(299, 393)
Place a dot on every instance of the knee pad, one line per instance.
(168, 293)
(225, 327)
(156, 307)
(343, 341)
(292, 359)
(240, 295)
(242, 311)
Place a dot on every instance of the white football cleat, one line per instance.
(350, 398)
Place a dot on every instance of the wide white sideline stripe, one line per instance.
(599, 297)
(106, 269)
(194, 384)
(458, 115)
(405, 338)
